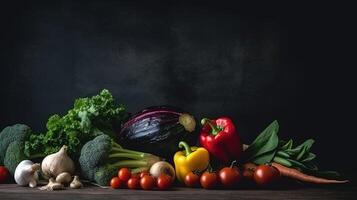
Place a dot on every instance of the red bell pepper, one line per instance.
(221, 139)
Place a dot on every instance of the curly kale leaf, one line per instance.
(87, 119)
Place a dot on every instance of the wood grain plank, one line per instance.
(12, 191)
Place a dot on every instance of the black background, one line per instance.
(253, 62)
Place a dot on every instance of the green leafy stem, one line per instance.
(267, 148)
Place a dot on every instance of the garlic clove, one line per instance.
(64, 178)
(33, 183)
(35, 167)
(76, 183)
(57, 186)
(52, 185)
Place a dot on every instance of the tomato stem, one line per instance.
(209, 168)
(233, 163)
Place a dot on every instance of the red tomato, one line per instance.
(135, 176)
(147, 182)
(4, 174)
(124, 174)
(229, 176)
(115, 183)
(248, 171)
(266, 174)
(192, 180)
(145, 171)
(133, 183)
(142, 174)
(248, 174)
(208, 180)
(164, 182)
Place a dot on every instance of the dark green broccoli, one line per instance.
(103, 174)
(17, 132)
(101, 157)
(89, 161)
(12, 145)
(14, 155)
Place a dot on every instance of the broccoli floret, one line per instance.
(12, 145)
(17, 132)
(104, 173)
(101, 157)
(93, 154)
(14, 155)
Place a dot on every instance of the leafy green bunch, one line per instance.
(267, 148)
(88, 118)
(300, 156)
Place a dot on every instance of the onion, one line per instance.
(162, 167)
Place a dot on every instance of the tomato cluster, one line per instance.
(143, 180)
(227, 177)
(230, 177)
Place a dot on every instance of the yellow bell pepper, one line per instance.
(190, 160)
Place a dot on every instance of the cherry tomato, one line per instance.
(124, 174)
(248, 171)
(208, 180)
(115, 183)
(266, 174)
(248, 174)
(229, 176)
(164, 182)
(145, 171)
(135, 176)
(142, 174)
(147, 182)
(133, 183)
(4, 174)
(192, 180)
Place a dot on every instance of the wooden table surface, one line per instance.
(12, 191)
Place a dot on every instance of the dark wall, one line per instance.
(252, 62)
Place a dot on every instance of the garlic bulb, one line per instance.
(54, 164)
(26, 173)
(76, 183)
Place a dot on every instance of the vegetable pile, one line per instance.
(101, 157)
(267, 148)
(88, 118)
(143, 180)
(97, 141)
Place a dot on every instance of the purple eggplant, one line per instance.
(158, 130)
